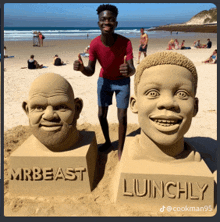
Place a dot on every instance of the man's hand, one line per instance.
(78, 64)
(124, 68)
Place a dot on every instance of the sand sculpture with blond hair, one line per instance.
(158, 167)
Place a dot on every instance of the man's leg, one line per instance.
(122, 118)
(102, 115)
(139, 56)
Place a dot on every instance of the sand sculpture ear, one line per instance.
(25, 107)
(78, 107)
(133, 104)
(196, 106)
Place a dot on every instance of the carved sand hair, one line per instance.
(165, 58)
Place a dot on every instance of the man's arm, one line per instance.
(88, 70)
(127, 68)
(146, 41)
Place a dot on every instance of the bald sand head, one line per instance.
(50, 84)
(53, 112)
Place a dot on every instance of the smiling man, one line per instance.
(115, 55)
(53, 111)
(165, 89)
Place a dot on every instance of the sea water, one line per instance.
(64, 33)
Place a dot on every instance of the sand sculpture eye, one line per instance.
(182, 94)
(153, 93)
(61, 107)
(39, 108)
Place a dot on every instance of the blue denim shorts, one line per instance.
(106, 89)
(143, 49)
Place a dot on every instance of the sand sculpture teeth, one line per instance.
(165, 122)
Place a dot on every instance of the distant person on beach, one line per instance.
(33, 64)
(86, 52)
(197, 44)
(115, 55)
(40, 36)
(171, 45)
(5, 55)
(183, 45)
(208, 45)
(143, 44)
(57, 61)
(176, 43)
(213, 58)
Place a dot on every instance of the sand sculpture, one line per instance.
(158, 168)
(56, 159)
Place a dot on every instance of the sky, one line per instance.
(85, 15)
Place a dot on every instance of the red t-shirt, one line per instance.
(110, 58)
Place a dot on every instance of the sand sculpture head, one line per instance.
(53, 112)
(165, 89)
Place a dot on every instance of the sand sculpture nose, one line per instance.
(49, 113)
(167, 102)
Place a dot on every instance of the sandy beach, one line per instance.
(17, 81)
(206, 28)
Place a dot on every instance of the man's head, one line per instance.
(53, 111)
(107, 18)
(165, 88)
(32, 56)
(142, 30)
(56, 56)
(208, 40)
(107, 7)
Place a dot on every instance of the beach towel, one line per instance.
(9, 57)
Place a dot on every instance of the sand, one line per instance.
(16, 85)
(189, 27)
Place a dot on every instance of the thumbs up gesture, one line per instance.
(78, 64)
(124, 68)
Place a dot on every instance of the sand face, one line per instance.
(17, 81)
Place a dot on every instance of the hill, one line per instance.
(203, 22)
(204, 17)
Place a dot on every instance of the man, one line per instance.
(33, 64)
(143, 44)
(53, 112)
(209, 44)
(57, 61)
(114, 53)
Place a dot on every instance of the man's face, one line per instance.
(142, 31)
(107, 22)
(165, 103)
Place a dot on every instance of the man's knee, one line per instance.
(102, 113)
(122, 116)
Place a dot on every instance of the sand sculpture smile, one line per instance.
(157, 163)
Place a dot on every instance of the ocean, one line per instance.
(64, 33)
